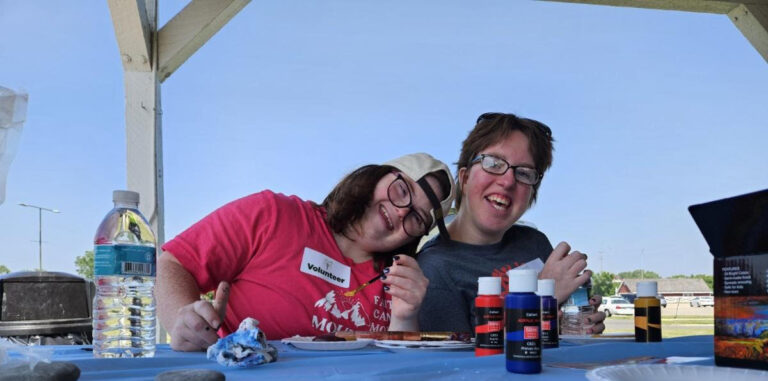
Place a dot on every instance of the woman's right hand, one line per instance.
(196, 323)
(566, 269)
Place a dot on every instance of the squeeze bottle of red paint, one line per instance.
(489, 317)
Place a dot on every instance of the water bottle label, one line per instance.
(124, 260)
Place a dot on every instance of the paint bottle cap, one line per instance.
(489, 285)
(546, 287)
(646, 289)
(524, 280)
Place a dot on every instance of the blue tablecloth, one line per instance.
(373, 363)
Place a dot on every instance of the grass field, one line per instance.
(670, 327)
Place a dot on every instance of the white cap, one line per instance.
(522, 280)
(647, 288)
(489, 285)
(125, 197)
(546, 287)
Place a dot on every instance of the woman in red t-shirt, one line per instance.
(291, 263)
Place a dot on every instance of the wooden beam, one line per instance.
(702, 6)
(190, 29)
(752, 21)
(132, 30)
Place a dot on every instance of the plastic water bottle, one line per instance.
(124, 270)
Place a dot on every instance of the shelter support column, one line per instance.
(752, 21)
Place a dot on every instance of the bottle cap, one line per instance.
(489, 285)
(524, 280)
(546, 287)
(646, 289)
(125, 197)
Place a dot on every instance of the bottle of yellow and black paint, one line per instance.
(647, 313)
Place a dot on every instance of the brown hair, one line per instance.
(492, 128)
(345, 205)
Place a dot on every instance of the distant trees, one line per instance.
(602, 284)
(638, 274)
(84, 265)
(708, 279)
(4, 270)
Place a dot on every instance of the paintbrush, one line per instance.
(362, 286)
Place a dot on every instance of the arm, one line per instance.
(191, 322)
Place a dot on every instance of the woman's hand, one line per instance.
(597, 318)
(196, 323)
(407, 285)
(566, 269)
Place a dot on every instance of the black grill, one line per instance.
(45, 308)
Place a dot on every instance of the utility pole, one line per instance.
(40, 229)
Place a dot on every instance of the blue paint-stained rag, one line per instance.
(243, 348)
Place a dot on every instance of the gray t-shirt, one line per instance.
(453, 268)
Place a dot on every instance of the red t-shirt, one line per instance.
(284, 268)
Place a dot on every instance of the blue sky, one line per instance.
(652, 111)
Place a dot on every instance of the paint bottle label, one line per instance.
(523, 341)
(489, 325)
(549, 330)
(647, 320)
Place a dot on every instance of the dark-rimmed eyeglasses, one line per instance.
(498, 166)
(399, 194)
(493, 115)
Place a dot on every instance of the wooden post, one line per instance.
(142, 55)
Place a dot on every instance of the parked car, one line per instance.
(628, 297)
(662, 300)
(703, 301)
(614, 305)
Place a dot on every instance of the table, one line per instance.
(373, 363)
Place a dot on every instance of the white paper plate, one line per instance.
(423, 345)
(667, 372)
(306, 343)
(591, 339)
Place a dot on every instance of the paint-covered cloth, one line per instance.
(284, 267)
(243, 348)
(453, 268)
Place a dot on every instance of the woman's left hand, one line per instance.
(407, 285)
(597, 318)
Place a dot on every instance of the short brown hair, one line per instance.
(492, 128)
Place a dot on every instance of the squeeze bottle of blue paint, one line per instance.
(549, 332)
(522, 312)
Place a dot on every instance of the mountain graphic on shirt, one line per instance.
(343, 307)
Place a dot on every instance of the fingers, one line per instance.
(596, 300)
(560, 251)
(575, 262)
(597, 328)
(192, 332)
(405, 280)
(220, 300)
(207, 312)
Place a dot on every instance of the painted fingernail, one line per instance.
(386, 288)
(386, 271)
(207, 328)
(589, 320)
(593, 299)
(383, 277)
(396, 257)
